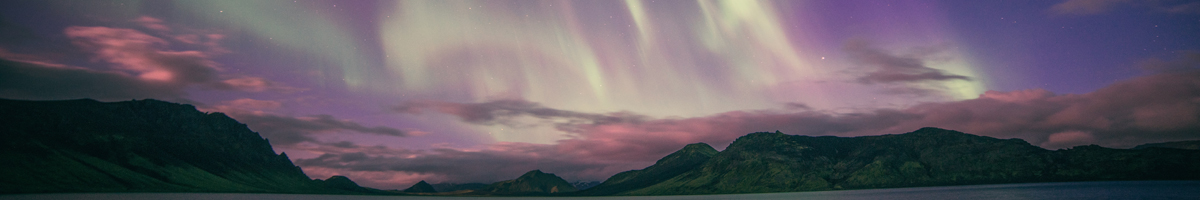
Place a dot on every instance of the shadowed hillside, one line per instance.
(156, 146)
(531, 183)
(776, 162)
(142, 146)
(668, 167)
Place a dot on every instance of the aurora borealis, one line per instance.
(392, 92)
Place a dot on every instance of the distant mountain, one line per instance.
(775, 162)
(156, 146)
(451, 187)
(1189, 145)
(684, 160)
(421, 187)
(141, 146)
(583, 185)
(531, 183)
(344, 183)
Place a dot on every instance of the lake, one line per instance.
(1070, 190)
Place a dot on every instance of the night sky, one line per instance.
(392, 92)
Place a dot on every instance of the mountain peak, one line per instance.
(939, 135)
(668, 167)
(421, 187)
(690, 152)
(532, 182)
(698, 147)
(340, 182)
(928, 129)
(533, 173)
(934, 131)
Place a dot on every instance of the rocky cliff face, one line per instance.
(138, 146)
(775, 162)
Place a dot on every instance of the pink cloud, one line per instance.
(188, 38)
(142, 54)
(125, 47)
(1068, 139)
(146, 57)
(214, 44)
(252, 84)
(42, 80)
(254, 104)
(33, 59)
(152, 23)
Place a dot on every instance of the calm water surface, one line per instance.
(1075, 190)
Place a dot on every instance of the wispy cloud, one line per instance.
(32, 80)
(890, 68)
(130, 64)
(1187, 60)
(504, 111)
(285, 131)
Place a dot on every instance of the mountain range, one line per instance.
(452, 187)
(1190, 145)
(674, 164)
(157, 146)
(533, 182)
(142, 146)
(776, 162)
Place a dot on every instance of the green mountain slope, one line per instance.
(668, 167)
(139, 146)
(531, 183)
(775, 162)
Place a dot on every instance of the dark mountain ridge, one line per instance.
(141, 146)
(1189, 145)
(776, 162)
(421, 187)
(156, 146)
(533, 182)
(684, 160)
